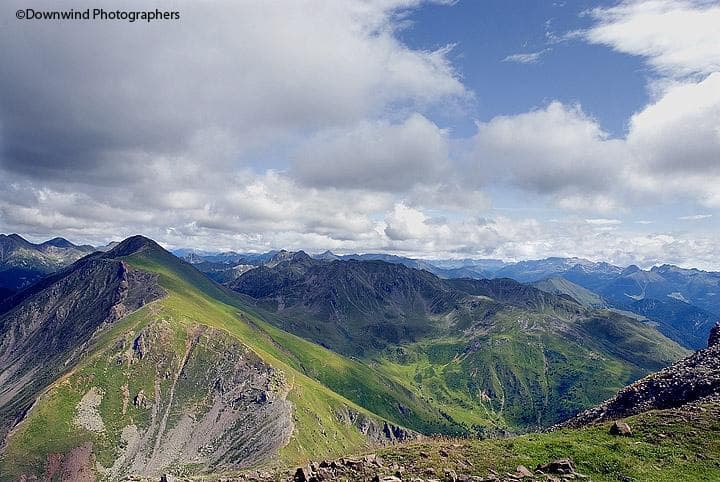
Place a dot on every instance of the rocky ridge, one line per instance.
(690, 380)
(48, 326)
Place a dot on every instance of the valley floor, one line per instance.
(669, 445)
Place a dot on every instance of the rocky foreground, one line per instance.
(373, 468)
(691, 380)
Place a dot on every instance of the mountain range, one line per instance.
(679, 302)
(130, 361)
(22, 262)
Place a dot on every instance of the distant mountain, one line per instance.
(480, 349)
(363, 304)
(560, 286)
(577, 270)
(22, 263)
(594, 284)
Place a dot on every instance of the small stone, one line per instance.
(302, 474)
(370, 458)
(523, 471)
(168, 478)
(621, 429)
(443, 453)
(450, 475)
(559, 466)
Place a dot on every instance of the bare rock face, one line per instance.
(375, 430)
(714, 338)
(219, 406)
(47, 327)
(689, 380)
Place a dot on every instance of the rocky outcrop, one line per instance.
(217, 405)
(687, 381)
(375, 430)
(714, 338)
(45, 329)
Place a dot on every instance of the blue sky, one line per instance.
(436, 129)
(611, 86)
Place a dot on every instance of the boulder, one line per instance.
(302, 474)
(620, 428)
(523, 471)
(559, 466)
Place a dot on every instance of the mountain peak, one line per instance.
(16, 239)
(132, 245)
(59, 242)
(300, 256)
(630, 270)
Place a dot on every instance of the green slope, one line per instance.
(492, 355)
(325, 423)
(666, 446)
(560, 286)
(529, 370)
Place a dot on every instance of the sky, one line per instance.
(435, 129)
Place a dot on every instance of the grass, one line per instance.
(666, 445)
(194, 301)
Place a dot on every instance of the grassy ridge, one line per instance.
(193, 300)
(666, 446)
(353, 380)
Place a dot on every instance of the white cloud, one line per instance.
(252, 79)
(695, 217)
(603, 221)
(680, 132)
(547, 150)
(677, 37)
(526, 58)
(376, 155)
(405, 223)
(307, 125)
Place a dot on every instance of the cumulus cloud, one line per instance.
(678, 38)
(251, 75)
(547, 150)
(309, 125)
(405, 223)
(671, 149)
(376, 155)
(681, 130)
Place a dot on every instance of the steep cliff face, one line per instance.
(45, 329)
(690, 380)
